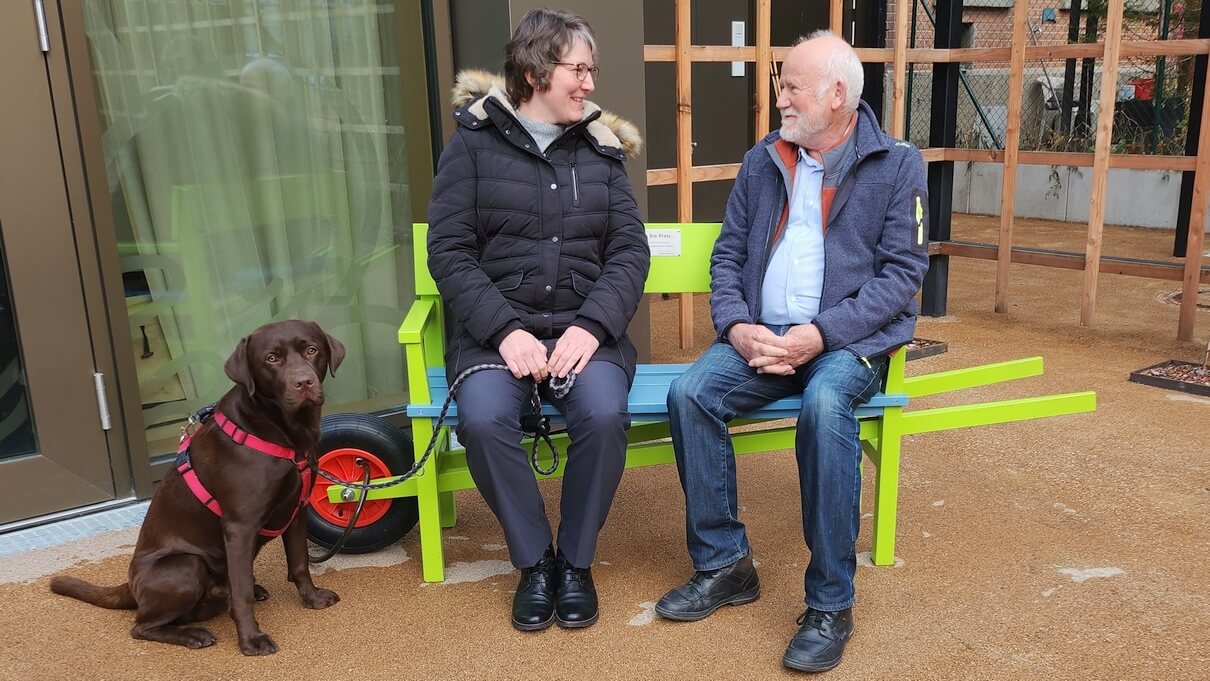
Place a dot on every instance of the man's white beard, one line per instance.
(802, 130)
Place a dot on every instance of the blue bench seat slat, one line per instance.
(648, 397)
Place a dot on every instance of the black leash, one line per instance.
(344, 536)
(534, 423)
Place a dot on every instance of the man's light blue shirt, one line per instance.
(794, 279)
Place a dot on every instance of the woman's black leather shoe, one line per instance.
(534, 602)
(576, 602)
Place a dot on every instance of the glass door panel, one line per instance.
(266, 159)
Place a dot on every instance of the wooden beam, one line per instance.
(1100, 166)
(1063, 158)
(871, 55)
(925, 55)
(903, 9)
(1133, 267)
(836, 18)
(1197, 226)
(721, 171)
(684, 148)
(930, 154)
(1161, 48)
(700, 53)
(764, 67)
(1066, 51)
(728, 171)
(1012, 145)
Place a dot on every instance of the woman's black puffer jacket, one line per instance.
(519, 239)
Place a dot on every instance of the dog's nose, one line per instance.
(304, 382)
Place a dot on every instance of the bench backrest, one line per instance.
(680, 263)
(680, 257)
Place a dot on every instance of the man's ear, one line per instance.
(237, 367)
(839, 91)
(336, 353)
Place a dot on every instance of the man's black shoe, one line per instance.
(576, 599)
(534, 602)
(819, 643)
(710, 590)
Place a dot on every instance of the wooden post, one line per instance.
(764, 60)
(1100, 161)
(684, 149)
(1197, 227)
(836, 18)
(899, 104)
(1012, 143)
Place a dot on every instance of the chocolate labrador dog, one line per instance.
(241, 478)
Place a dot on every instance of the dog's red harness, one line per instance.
(243, 437)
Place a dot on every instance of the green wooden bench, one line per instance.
(883, 419)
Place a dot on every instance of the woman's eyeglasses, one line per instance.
(582, 70)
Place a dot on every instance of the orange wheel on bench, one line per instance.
(344, 438)
(342, 463)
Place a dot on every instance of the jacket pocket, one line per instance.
(511, 282)
(581, 284)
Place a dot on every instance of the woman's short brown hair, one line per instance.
(541, 39)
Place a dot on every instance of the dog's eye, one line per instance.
(272, 358)
(312, 351)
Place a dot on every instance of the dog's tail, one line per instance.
(112, 597)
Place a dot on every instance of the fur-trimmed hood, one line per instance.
(473, 87)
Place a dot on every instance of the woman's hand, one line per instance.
(525, 355)
(572, 352)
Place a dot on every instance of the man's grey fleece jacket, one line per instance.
(875, 241)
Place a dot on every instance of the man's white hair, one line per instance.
(841, 65)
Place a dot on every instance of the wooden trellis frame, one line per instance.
(1110, 51)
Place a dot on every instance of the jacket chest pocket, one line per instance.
(581, 284)
(511, 282)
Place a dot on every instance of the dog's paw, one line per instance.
(320, 599)
(259, 644)
(260, 593)
(197, 637)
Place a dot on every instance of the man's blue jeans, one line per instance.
(721, 386)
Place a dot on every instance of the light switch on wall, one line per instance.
(737, 40)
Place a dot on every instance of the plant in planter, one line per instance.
(1174, 374)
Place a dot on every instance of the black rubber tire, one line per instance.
(394, 448)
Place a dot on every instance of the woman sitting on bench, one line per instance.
(537, 247)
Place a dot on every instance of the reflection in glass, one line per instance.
(254, 153)
(17, 436)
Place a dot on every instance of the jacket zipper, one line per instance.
(764, 270)
(575, 185)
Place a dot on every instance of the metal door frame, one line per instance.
(84, 166)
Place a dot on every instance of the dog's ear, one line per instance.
(237, 367)
(336, 353)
